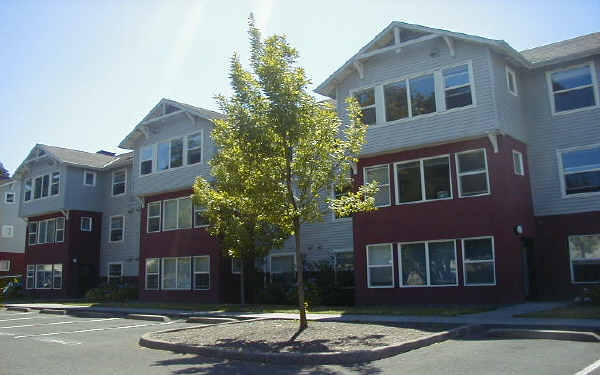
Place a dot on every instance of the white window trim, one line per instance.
(194, 272)
(152, 159)
(459, 174)
(184, 164)
(232, 271)
(81, 220)
(27, 270)
(36, 272)
(422, 172)
(7, 262)
(25, 190)
(148, 217)
(85, 173)
(50, 195)
(380, 266)
(164, 212)
(146, 273)
(108, 271)
(519, 154)
(366, 182)
(10, 229)
(61, 276)
(110, 229)
(493, 260)
(510, 71)
(14, 195)
(201, 147)
(29, 233)
(561, 171)
(571, 261)
(428, 284)
(112, 189)
(162, 278)
(56, 230)
(594, 85)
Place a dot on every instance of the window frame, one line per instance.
(110, 229)
(335, 268)
(389, 188)
(152, 159)
(29, 187)
(14, 197)
(375, 88)
(465, 261)
(87, 172)
(177, 216)
(56, 230)
(54, 276)
(162, 268)
(112, 190)
(519, 155)
(471, 83)
(57, 183)
(7, 262)
(422, 171)
(510, 71)
(184, 164)
(30, 269)
(146, 273)
(287, 254)
(571, 261)
(194, 272)
(561, 171)
(234, 260)
(459, 174)
(148, 217)
(195, 209)
(108, 277)
(594, 86)
(188, 149)
(391, 245)
(428, 273)
(29, 233)
(81, 221)
(9, 229)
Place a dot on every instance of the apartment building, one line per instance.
(12, 230)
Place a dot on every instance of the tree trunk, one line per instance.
(242, 286)
(300, 277)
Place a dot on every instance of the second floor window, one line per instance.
(177, 214)
(173, 153)
(423, 180)
(119, 182)
(117, 228)
(86, 224)
(381, 174)
(46, 231)
(153, 224)
(89, 178)
(42, 186)
(457, 87)
(146, 159)
(366, 100)
(580, 169)
(573, 88)
(472, 173)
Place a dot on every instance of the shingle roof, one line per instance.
(83, 158)
(562, 49)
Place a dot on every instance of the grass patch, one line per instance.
(567, 312)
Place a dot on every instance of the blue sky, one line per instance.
(81, 74)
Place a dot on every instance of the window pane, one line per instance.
(185, 213)
(60, 223)
(586, 182)
(282, 264)
(381, 276)
(409, 182)
(571, 78)
(184, 273)
(511, 82)
(586, 272)
(474, 184)
(366, 97)
(585, 247)
(369, 116)
(146, 153)
(146, 167)
(437, 178)
(170, 214)
(471, 161)
(151, 281)
(163, 156)
(581, 160)
(45, 185)
(201, 219)
(479, 273)
(202, 281)
(456, 76)
(422, 95)
(116, 222)
(152, 266)
(195, 140)
(37, 188)
(478, 249)
(42, 232)
(517, 163)
(177, 153)
(414, 268)
(459, 97)
(574, 99)
(169, 273)
(442, 263)
(51, 231)
(116, 228)
(379, 174)
(154, 209)
(380, 255)
(194, 148)
(55, 183)
(89, 178)
(201, 264)
(396, 102)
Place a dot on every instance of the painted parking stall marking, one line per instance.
(55, 341)
(59, 323)
(91, 330)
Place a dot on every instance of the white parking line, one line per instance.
(589, 369)
(31, 317)
(56, 323)
(54, 341)
(92, 330)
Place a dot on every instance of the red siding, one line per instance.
(494, 215)
(16, 263)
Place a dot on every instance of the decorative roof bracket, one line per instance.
(359, 68)
(450, 44)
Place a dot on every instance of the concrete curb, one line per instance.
(209, 320)
(20, 309)
(53, 311)
(514, 333)
(91, 314)
(324, 358)
(152, 318)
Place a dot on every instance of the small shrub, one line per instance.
(11, 288)
(113, 292)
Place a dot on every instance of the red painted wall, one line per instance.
(17, 261)
(508, 205)
(180, 243)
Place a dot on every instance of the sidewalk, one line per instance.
(500, 317)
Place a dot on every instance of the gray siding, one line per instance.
(9, 215)
(550, 133)
(50, 203)
(81, 197)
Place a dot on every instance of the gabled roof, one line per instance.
(581, 46)
(161, 111)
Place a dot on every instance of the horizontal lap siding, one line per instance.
(9, 215)
(50, 203)
(81, 197)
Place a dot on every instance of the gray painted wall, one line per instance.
(9, 215)
(81, 197)
(49, 204)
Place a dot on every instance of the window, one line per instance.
(45, 185)
(236, 266)
(580, 170)
(381, 174)
(366, 101)
(511, 81)
(55, 183)
(119, 183)
(202, 272)
(518, 163)
(8, 231)
(4, 265)
(86, 224)
(283, 267)
(57, 279)
(60, 229)
(37, 192)
(153, 224)
(115, 273)
(32, 232)
(473, 179)
(177, 213)
(380, 266)
(146, 159)
(170, 154)
(27, 196)
(410, 97)
(43, 276)
(89, 178)
(152, 273)
(176, 273)
(51, 231)
(457, 87)
(478, 261)
(423, 180)
(429, 263)
(42, 226)
(344, 268)
(200, 219)
(117, 228)
(30, 282)
(573, 88)
(584, 252)
(194, 148)
(9, 197)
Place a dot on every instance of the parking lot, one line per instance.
(34, 343)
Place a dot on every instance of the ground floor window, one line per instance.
(584, 252)
(115, 273)
(202, 272)
(478, 261)
(428, 263)
(30, 282)
(44, 276)
(57, 279)
(380, 266)
(152, 273)
(236, 266)
(344, 268)
(283, 267)
(4, 265)
(178, 273)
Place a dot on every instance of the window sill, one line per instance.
(381, 287)
(428, 286)
(425, 116)
(494, 284)
(170, 169)
(473, 196)
(580, 195)
(570, 111)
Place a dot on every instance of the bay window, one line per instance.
(172, 153)
(146, 159)
(380, 266)
(428, 263)
(580, 170)
(584, 253)
(60, 229)
(32, 232)
(28, 188)
(42, 231)
(423, 180)
(573, 88)
(472, 171)
(381, 174)
(200, 218)
(478, 261)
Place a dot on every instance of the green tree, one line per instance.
(279, 150)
